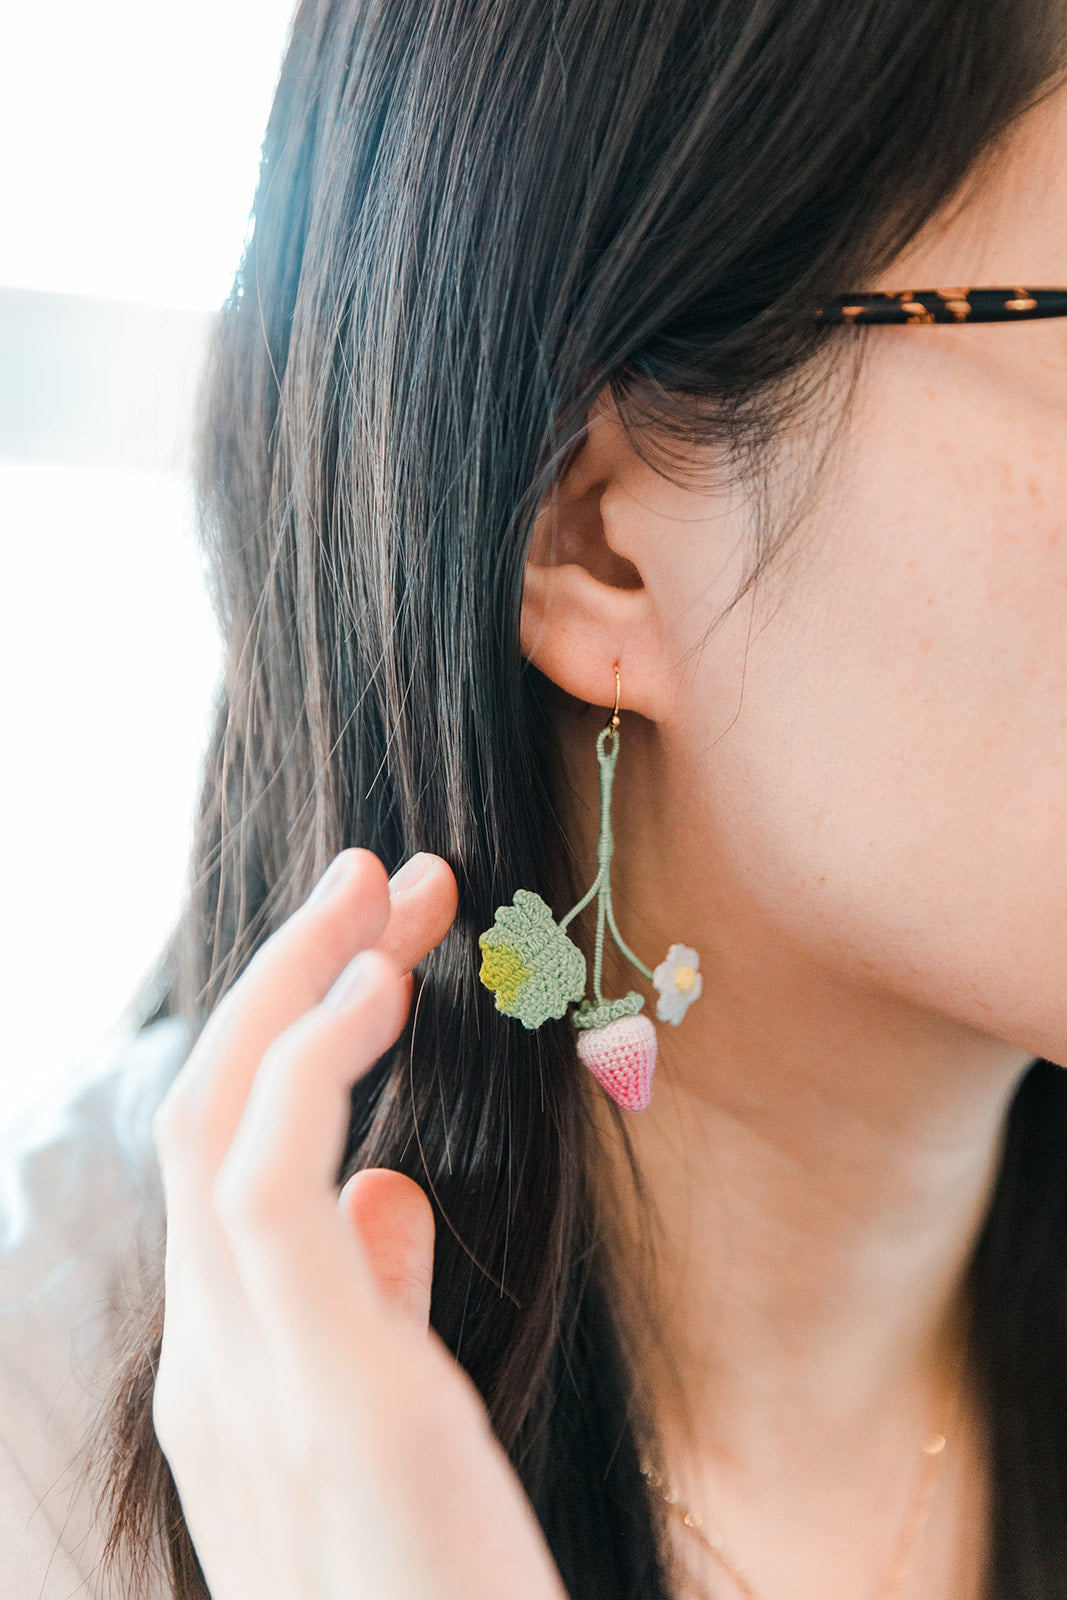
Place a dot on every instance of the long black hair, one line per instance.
(474, 219)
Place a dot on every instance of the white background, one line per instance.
(131, 135)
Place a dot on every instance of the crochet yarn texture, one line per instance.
(535, 971)
(528, 962)
(621, 1057)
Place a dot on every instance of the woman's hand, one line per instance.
(324, 1444)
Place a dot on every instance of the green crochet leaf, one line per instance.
(529, 963)
(588, 1015)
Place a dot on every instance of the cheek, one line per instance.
(896, 782)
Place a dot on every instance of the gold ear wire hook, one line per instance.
(613, 724)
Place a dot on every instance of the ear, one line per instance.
(586, 603)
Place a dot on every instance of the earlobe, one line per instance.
(574, 628)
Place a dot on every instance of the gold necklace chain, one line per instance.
(934, 1451)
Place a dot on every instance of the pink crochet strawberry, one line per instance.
(621, 1058)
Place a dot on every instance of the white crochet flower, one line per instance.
(679, 983)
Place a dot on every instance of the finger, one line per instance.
(422, 906)
(199, 1250)
(393, 1220)
(275, 1193)
(347, 912)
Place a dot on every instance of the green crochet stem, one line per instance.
(605, 849)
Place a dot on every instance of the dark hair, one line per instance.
(474, 219)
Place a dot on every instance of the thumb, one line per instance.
(393, 1221)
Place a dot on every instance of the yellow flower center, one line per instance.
(504, 970)
(684, 978)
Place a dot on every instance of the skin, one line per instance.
(847, 794)
(849, 797)
(374, 1472)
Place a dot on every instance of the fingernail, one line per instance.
(334, 874)
(409, 874)
(353, 983)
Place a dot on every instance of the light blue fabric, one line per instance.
(80, 1201)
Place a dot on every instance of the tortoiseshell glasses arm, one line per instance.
(946, 305)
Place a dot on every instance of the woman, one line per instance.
(524, 383)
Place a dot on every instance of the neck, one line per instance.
(814, 1170)
(802, 1311)
(812, 1216)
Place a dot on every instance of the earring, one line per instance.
(535, 971)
